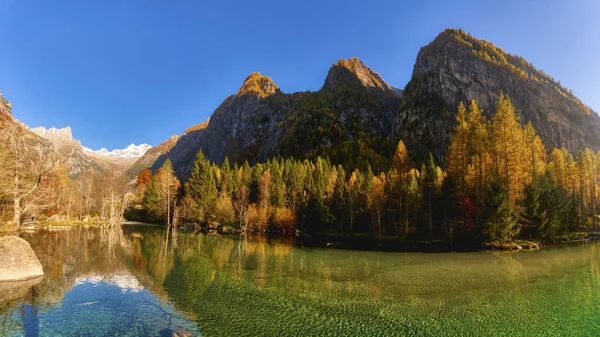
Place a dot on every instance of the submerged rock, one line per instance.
(18, 261)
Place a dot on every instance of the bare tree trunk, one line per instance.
(69, 207)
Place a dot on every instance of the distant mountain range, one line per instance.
(80, 158)
(130, 152)
(357, 118)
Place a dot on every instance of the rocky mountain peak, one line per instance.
(257, 84)
(354, 72)
(457, 67)
(60, 138)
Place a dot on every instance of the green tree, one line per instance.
(151, 201)
(500, 222)
(202, 186)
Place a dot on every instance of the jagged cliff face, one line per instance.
(351, 116)
(69, 150)
(243, 126)
(456, 67)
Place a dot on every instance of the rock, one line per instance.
(18, 261)
(181, 333)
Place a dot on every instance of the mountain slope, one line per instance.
(350, 117)
(356, 118)
(150, 156)
(456, 67)
(70, 150)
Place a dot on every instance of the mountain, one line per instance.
(70, 150)
(150, 156)
(456, 67)
(130, 152)
(80, 158)
(357, 118)
(351, 117)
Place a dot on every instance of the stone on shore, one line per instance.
(18, 261)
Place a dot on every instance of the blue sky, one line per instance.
(119, 72)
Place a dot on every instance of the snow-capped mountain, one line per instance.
(130, 152)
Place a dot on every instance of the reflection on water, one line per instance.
(146, 281)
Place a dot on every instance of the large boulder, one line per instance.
(18, 261)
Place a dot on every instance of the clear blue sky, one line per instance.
(119, 72)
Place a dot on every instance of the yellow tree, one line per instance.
(478, 154)
(535, 152)
(508, 149)
(169, 186)
(558, 167)
(457, 156)
(378, 201)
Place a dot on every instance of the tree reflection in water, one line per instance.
(252, 286)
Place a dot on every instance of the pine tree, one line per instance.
(500, 222)
(277, 185)
(202, 186)
(534, 216)
(151, 201)
(339, 198)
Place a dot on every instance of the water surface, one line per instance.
(140, 281)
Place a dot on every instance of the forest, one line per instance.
(498, 185)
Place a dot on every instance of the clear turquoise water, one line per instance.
(141, 282)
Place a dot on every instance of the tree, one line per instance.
(28, 194)
(508, 149)
(339, 197)
(535, 218)
(152, 202)
(457, 156)
(202, 186)
(412, 196)
(500, 222)
(377, 202)
(169, 186)
(264, 197)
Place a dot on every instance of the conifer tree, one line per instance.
(277, 185)
(339, 198)
(500, 222)
(151, 201)
(507, 144)
(202, 186)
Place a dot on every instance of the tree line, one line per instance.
(499, 184)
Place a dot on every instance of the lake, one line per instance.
(140, 282)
